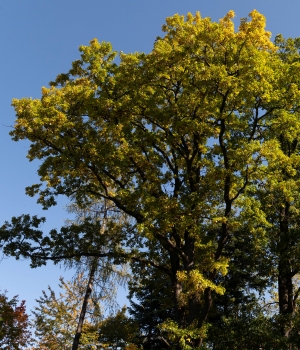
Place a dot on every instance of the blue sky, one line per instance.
(39, 39)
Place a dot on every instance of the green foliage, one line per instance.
(118, 332)
(197, 144)
(151, 303)
(56, 318)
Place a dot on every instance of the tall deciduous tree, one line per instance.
(182, 140)
(279, 195)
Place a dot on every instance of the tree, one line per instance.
(240, 319)
(56, 318)
(182, 140)
(14, 323)
(103, 213)
(118, 332)
(96, 280)
(151, 304)
(87, 295)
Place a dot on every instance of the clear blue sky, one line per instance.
(39, 39)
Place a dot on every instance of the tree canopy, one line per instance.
(197, 144)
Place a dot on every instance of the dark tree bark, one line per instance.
(84, 305)
(285, 274)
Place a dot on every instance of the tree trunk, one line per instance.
(285, 291)
(84, 305)
(285, 275)
(286, 298)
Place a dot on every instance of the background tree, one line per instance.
(240, 318)
(118, 331)
(151, 303)
(96, 279)
(104, 213)
(84, 306)
(56, 318)
(14, 323)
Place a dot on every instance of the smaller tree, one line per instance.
(56, 317)
(14, 323)
(119, 332)
(150, 306)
